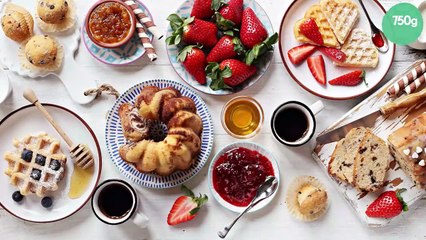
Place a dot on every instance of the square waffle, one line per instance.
(359, 50)
(341, 15)
(324, 27)
(36, 165)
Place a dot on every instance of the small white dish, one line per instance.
(5, 87)
(420, 43)
(251, 146)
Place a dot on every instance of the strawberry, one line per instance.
(389, 204)
(185, 207)
(252, 31)
(300, 53)
(260, 49)
(202, 9)
(333, 53)
(310, 29)
(317, 67)
(229, 73)
(194, 61)
(350, 79)
(229, 15)
(192, 31)
(227, 47)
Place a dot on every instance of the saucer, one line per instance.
(126, 54)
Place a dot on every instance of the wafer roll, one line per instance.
(146, 42)
(143, 18)
(406, 80)
(416, 84)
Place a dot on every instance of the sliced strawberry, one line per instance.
(333, 53)
(310, 29)
(185, 207)
(317, 67)
(300, 53)
(350, 79)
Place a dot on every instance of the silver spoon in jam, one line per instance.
(268, 187)
(377, 36)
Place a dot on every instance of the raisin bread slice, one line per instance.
(408, 146)
(341, 164)
(371, 163)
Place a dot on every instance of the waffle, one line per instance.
(324, 27)
(359, 50)
(32, 176)
(342, 16)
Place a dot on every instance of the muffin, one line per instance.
(41, 52)
(55, 15)
(17, 23)
(307, 198)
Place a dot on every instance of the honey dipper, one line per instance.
(80, 153)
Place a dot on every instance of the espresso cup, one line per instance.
(115, 201)
(293, 123)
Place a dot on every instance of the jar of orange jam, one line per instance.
(242, 117)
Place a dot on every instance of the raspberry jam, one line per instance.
(238, 173)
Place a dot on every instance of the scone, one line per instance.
(408, 146)
(55, 15)
(307, 198)
(41, 52)
(17, 23)
(37, 165)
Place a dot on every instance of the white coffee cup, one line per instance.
(308, 111)
(420, 43)
(133, 212)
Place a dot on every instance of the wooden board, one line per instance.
(383, 127)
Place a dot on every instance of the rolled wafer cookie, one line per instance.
(406, 80)
(143, 18)
(146, 42)
(416, 84)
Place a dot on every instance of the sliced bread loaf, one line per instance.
(342, 160)
(371, 163)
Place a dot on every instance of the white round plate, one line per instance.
(262, 66)
(9, 48)
(301, 73)
(114, 138)
(28, 120)
(251, 146)
(5, 86)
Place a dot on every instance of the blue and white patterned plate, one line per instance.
(123, 55)
(114, 137)
(184, 11)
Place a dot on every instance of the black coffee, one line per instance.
(291, 124)
(115, 200)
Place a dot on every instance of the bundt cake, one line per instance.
(182, 143)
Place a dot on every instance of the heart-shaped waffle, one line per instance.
(359, 50)
(341, 15)
(324, 27)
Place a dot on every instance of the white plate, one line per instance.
(27, 120)
(262, 66)
(114, 137)
(251, 146)
(69, 40)
(301, 73)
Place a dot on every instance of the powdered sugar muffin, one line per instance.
(307, 198)
(55, 15)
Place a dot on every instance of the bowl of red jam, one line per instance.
(237, 171)
(110, 23)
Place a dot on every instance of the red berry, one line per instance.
(300, 53)
(194, 61)
(333, 53)
(310, 29)
(389, 204)
(317, 67)
(252, 31)
(202, 9)
(350, 79)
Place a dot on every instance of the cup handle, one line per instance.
(317, 107)
(140, 219)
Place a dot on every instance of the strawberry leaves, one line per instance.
(217, 75)
(260, 49)
(177, 24)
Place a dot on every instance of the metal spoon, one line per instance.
(263, 192)
(381, 42)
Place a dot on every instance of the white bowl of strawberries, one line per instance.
(220, 48)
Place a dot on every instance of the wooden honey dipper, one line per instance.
(80, 153)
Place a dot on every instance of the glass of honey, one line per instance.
(242, 117)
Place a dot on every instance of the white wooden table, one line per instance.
(272, 222)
